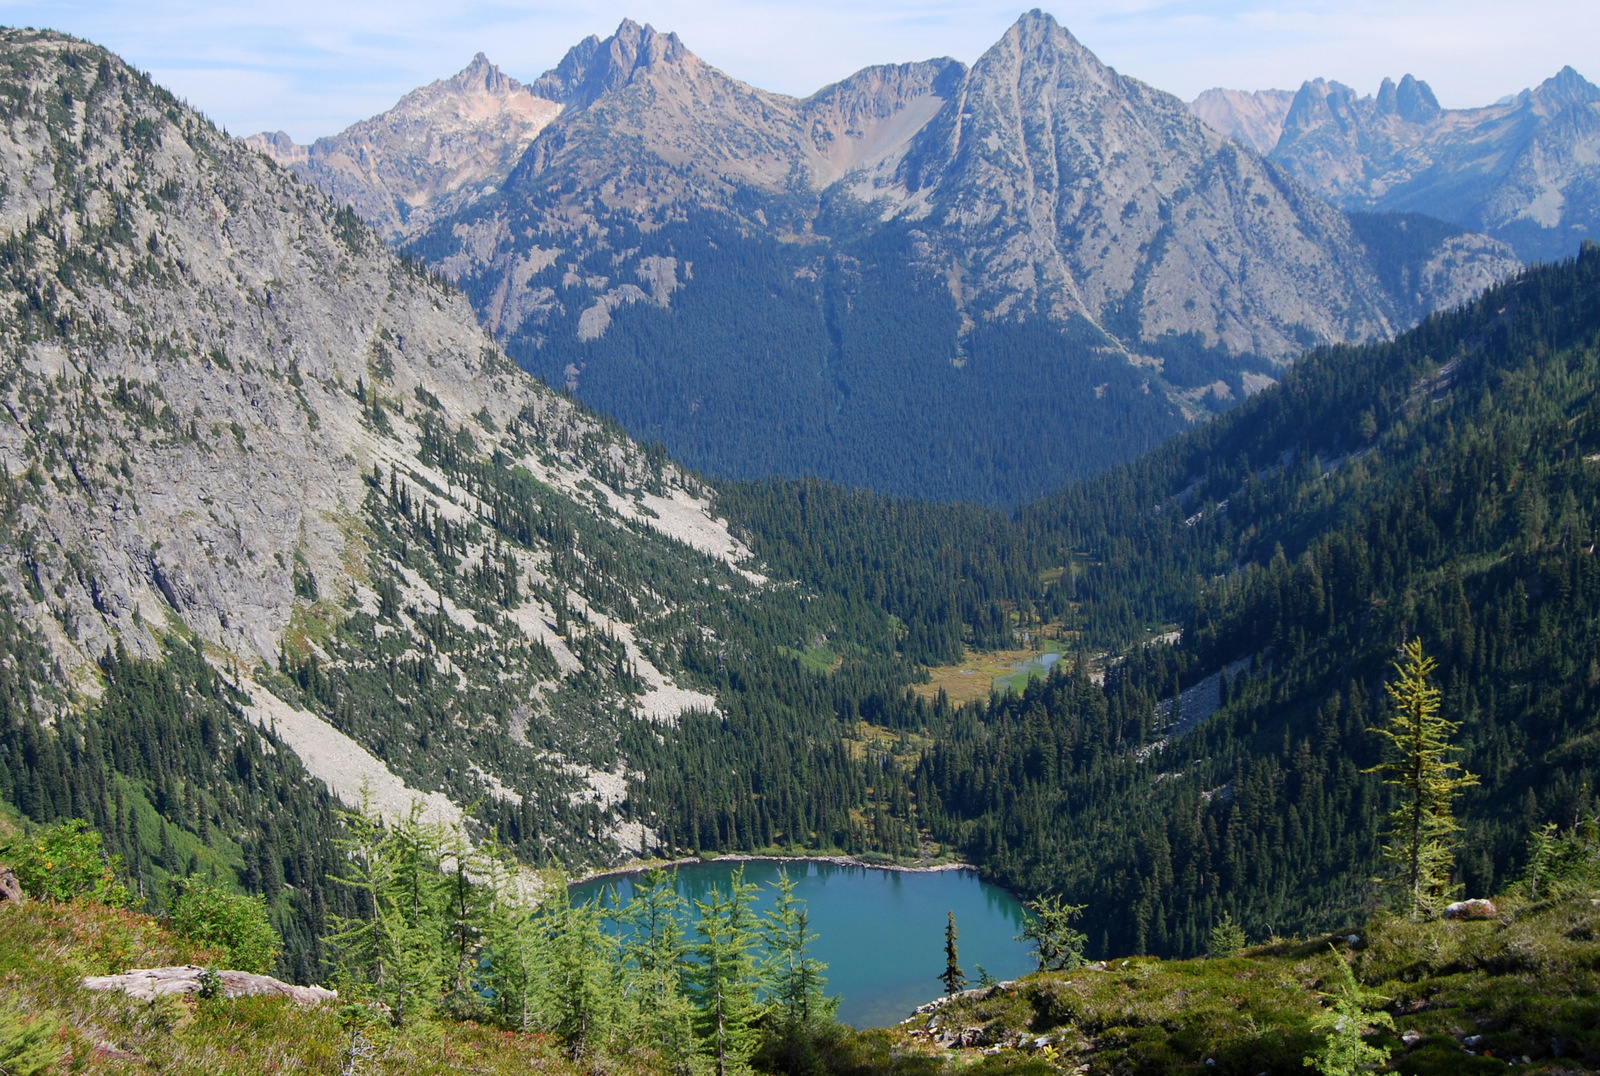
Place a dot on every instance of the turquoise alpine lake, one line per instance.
(880, 932)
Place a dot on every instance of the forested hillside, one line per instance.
(1444, 486)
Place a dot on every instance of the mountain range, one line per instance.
(853, 284)
(1525, 169)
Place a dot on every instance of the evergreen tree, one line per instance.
(1354, 1014)
(1227, 937)
(584, 986)
(793, 976)
(953, 978)
(1422, 829)
(397, 950)
(519, 954)
(1056, 942)
(722, 977)
(654, 953)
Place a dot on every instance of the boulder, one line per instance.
(1472, 909)
(147, 984)
(10, 889)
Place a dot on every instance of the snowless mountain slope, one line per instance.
(231, 418)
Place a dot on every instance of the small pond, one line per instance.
(880, 932)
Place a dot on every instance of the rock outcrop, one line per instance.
(147, 984)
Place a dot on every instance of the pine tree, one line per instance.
(1421, 830)
(953, 978)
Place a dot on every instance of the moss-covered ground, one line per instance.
(45, 950)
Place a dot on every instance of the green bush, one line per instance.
(208, 912)
(27, 1044)
(65, 862)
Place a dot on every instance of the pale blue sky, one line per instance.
(311, 67)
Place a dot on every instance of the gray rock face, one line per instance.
(439, 148)
(1062, 187)
(1254, 119)
(1526, 170)
(208, 373)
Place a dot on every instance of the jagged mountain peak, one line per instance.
(1520, 169)
(1040, 187)
(481, 75)
(441, 146)
(1037, 38)
(1412, 100)
(595, 67)
(1565, 87)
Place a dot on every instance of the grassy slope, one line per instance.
(45, 949)
(1528, 983)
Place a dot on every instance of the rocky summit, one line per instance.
(1522, 170)
(439, 148)
(712, 263)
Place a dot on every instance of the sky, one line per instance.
(312, 67)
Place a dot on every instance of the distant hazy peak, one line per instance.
(443, 144)
(593, 67)
(1253, 118)
(1565, 87)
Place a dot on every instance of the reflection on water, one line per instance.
(880, 932)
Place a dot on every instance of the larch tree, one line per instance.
(1421, 832)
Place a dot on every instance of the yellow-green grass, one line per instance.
(974, 678)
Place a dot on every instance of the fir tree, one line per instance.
(1422, 829)
(1227, 937)
(953, 978)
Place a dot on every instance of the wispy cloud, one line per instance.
(313, 67)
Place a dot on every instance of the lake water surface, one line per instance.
(880, 932)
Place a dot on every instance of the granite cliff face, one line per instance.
(229, 414)
(1525, 170)
(436, 150)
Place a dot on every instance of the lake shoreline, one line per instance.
(751, 857)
